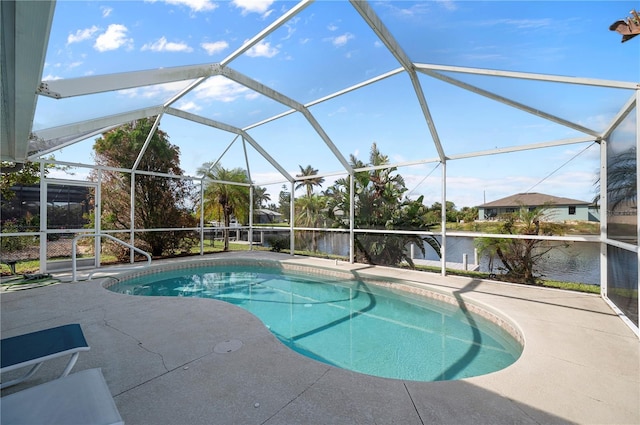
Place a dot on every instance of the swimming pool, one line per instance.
(367, 327)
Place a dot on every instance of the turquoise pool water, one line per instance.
(349, 324)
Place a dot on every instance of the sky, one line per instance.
(328, 47)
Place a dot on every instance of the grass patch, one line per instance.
(571, 286)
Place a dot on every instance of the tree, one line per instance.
(468, 214)
(309, 214)
(309, 183)
(284, 200)
(621, 179)
(520, 258)
(309, 207)
(22, 174)
(223, 198)
(260, 197)
(158, 200)
(380, 204)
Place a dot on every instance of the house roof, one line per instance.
(268, 212)
(533, 200)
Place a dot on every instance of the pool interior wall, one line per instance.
(481, 309)
(388, 331)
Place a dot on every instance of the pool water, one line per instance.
(349, 324)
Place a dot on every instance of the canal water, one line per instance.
(569, 262)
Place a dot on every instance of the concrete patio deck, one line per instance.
(166, 360)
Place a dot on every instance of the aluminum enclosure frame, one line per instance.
(21, 86)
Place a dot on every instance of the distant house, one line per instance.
(264, 216)
(560, 209)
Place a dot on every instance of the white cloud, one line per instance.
(218, 88)
(214, 47)
(159, 91)
(254, 6)
(112, 39)
(162, 45)
(51, 77)
(194, 5)
(81, 35)
(341, 40)
(291, 28)
(188, 106)
(332, 27)
(263, 49)
(106, 11)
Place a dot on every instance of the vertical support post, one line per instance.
(132, 217)
(250, 233)
(352, 216)
(465, 261)
(292, 213)
(202, 216)
(638, 181)
(97, 241)
(43, 220)
(443, 220)
(603, 218)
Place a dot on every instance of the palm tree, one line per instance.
(308, 215)
(520, 258)
(309, 183)
(379, 204)
(621, 179)
(230, 199)
(260, 196)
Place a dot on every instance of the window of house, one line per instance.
(572, 210)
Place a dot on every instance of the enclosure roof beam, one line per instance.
(268, 30)
(24, 36)
(530, 76)
(231, 129)
(55, 136)
(328, 97)
(510, 102)
(81, 86)
(417, 87)
(392, 45)
(280, 98)
(57, 144)
(531, 146)
(621, 115)
(260, 88)
(374, 22)
(152, 131)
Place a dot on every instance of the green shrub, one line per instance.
(278, 243)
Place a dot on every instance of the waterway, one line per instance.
(569, 262)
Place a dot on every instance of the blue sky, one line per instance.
(328, 47)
